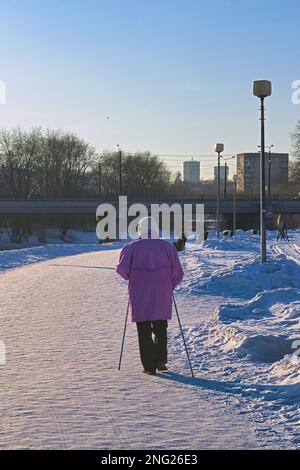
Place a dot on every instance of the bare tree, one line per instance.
(19, 157)
(68, 161)
(143, 175)
(51, 163)
(58, 164)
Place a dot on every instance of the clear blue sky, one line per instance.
(173, 76)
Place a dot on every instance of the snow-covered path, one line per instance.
(62, 323)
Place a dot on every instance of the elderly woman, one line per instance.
(153, 270)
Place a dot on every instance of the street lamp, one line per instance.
(269, 168)
(234, 203)
(225, 177)
(269, 171)
(262, 89)
(218, 148)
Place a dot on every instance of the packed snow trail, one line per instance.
(62, 323)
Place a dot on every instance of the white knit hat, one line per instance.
(148, 228)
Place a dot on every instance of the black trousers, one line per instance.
(153, 343)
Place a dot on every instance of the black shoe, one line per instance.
(149, 372)
(161, 367)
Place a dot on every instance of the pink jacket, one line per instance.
(153, 269)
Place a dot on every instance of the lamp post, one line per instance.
(218, 148)
(269, 169)
(226, 171)
(262, 89)
(234, 204)
(225, 181)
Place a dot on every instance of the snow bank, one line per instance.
(262, 348)
(283, 303)
(287, 371)
(265, 348)
(10, 259)
(13, 255)
(231, 267)
(52, 235)
(238, 277)
(263, 328)
(251, 336)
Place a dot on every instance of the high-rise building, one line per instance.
(191, 172)
(248, 171)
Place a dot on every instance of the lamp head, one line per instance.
(219, 148)
(262, 88)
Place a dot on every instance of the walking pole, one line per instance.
(123, 340)
(182, 334)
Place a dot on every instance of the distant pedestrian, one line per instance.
(180, 244)
(153, 270)
(282, 228)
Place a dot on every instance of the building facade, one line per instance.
(248, 172)
(191, 172)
